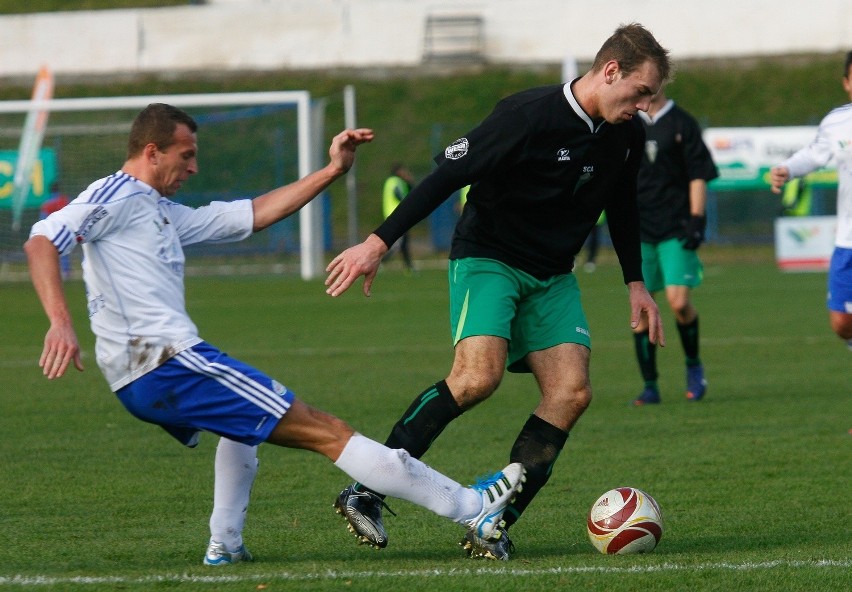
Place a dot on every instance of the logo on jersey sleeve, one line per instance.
(457, 149)
(99, 213)
(562, 155)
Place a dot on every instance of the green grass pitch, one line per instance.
(752, 480)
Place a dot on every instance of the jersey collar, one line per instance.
(659, 114)
(575, 105)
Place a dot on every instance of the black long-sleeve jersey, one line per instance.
(675, 154)
(541, 171)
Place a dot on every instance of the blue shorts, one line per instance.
(840, 281)
(202, 388)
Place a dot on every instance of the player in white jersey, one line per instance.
(833, 141)
(150, 352)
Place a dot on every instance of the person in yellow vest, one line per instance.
(797, 197)
(459, 205)
(396, 187)
(463, 196)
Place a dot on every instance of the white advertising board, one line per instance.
(804, 243)
(744, 155)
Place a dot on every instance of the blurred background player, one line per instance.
(833, 141)
(462, 199)
(797, 198)
(672, 196)
(396, 187)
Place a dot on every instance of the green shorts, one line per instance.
(490, 298)
(669, 264)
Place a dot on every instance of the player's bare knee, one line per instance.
(682, 309)
(841, 324)
(471, 387)
(472, 392)
(581, 398)
(563, 409)
(573, 399)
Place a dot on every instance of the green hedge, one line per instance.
(415, 110)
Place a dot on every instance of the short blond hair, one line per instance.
(631, 46)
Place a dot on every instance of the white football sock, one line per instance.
(396, 473)
(235, 470)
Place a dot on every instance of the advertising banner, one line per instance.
(804, 243)
(42, 176)
(744, 155)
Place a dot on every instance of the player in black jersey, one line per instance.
(542, 167)
(672, 194)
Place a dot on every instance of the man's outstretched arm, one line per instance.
(280, 203)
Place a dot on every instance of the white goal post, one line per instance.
(310, 216)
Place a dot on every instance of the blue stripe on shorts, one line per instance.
(840, 281)
(204, 389)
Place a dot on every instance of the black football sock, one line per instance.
(689, 340)
(537, 448)
(423, 421)
(646, 354)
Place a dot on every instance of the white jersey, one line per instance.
(133, 267)
(833, 140)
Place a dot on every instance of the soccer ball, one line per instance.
(625, 520)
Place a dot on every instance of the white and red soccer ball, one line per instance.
(625, 520)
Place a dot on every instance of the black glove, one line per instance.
(694, 232)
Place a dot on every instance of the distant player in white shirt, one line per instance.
(833, 141)
(149, 350)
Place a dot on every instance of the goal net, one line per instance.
(249, 143)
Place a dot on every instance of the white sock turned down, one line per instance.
(235, 470)
(397, 474)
